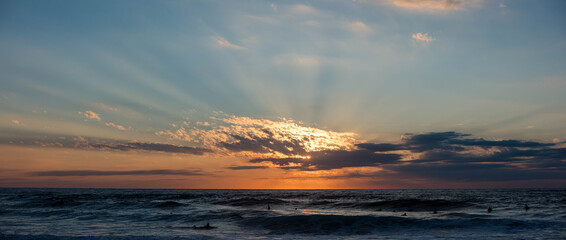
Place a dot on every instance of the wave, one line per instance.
(52, 202)
(168, 204)
(340, 224)
(251, 201)
(412, 204)
(141, 237)
(321, 202)
(181, 196)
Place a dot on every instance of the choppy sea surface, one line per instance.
(293, 214)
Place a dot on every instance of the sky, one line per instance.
(283, 94)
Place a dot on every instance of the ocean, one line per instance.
(282, 214)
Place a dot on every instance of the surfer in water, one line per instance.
(489, 209)
(268, 207)
(527, 207)
(207, 226)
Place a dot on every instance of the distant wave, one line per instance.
(251, 201)
(340, 224)
(168, 204)
(418, 204)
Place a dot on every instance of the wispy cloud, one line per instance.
(423, 37)
(84, 143)
(441, 5)
(84, 173)
(150, 147)
(222, 42)
(119, 127)
(359, 27)
(90, 114)
(181, 133)
(247, 167)
(104, 106)
(303, 9)
(17, 122)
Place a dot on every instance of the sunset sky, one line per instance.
(283, 94)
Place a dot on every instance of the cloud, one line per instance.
(440, 155)
(119, 127)
(150, 147)
(359, 27)
(90, 114)
(16, 122)
(251, 137)
(457, 156)
(247, 167)
(454, 141)
(181, 133)
(292, 146)
(423, 37)
(104, 106)
(303, 9)
(333, 159)
(381, 147)
(225, 44)
(282, 138)
(435, 5)
(77, 142)
(83, 173)
(267, 144)
(203, 123)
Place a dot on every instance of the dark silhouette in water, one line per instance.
(434, 212)
(527, 207)
(207, 226)
(404, 214)
(268, 207)
(379, 210)
(489, 209)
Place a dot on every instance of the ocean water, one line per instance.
(293, 214)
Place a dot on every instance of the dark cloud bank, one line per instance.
(436, 155)
(116, 173)
(99, 144)
(444, 156)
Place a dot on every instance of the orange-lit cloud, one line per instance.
(289, 145)
(267, 146)
(423, 37)
(119, 127)
(441, 5)
(262, 137)
(90, 114)
(224, 43)
(117, 173)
